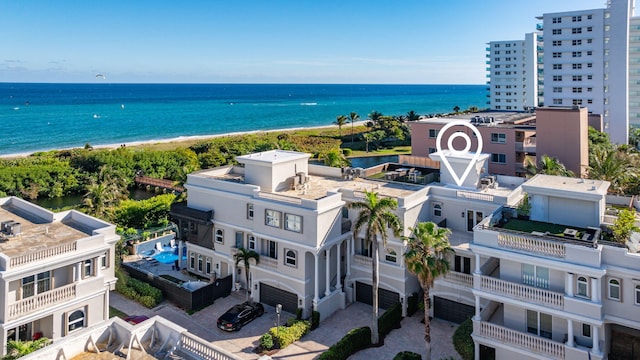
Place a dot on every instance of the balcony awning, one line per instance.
(183, 212)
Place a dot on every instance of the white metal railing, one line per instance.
(459, 278)
(203, 349)
(522, 292)
(41, 301)
(538, 246)
(42, 254)
(474, 195)
(526, 341)
(362, 260)
(268, 262)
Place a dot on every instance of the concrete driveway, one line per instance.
(242, 343)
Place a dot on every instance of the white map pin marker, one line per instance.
(459, 179)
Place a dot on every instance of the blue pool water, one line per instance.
(168, 256)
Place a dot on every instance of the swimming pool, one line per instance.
(167, 257)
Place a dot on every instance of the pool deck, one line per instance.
(157, 268)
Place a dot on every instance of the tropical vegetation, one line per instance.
(17, 349)
(244, 256)
(375, 218)
(427, 255)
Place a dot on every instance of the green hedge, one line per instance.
(283, 336)
(355, 340)
(315, 320)
(137, 290)
(390, 319)
(462, 341)
(407, 355)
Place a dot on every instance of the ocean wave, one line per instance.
(308, 104)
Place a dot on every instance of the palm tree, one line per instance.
(334, 158)
(374, 117)
(412, 116)
(612, 165)
(376, 217)
(426, 257)
(340, 120)
(243, 256)
(549, 166)
(456, 109)
(353, 117)
(98, 198)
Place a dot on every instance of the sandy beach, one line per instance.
(181, 140)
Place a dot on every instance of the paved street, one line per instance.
(242, 343)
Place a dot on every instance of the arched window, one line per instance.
(76, 320)
(220, 236)
(437, 209)
(614, 289)
(200, 263)
(391, 256)
(583, 286)
(290, 257)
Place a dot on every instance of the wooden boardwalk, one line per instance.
(161, 183)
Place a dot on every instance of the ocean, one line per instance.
(37, 117)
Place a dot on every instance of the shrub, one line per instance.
(390, 319)
(355, 340)
(412, 304)
(315, 320)
(145, 289)
(407, 355)
(266, 341)
(462, 341)
(347, 151)
(287, 335)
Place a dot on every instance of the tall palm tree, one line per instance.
(340, 120)
(612, 165)
(353, 117)
(548, 165)
(334, 158)
(426, 257)
(412, 116)
(456, 109)
(375, 217)
(243, 256)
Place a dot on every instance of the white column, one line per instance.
(79, 271)
(477, 316)
(327, 271)
(98, 265)
(476, 352)
(596, 339)
(180, 246)
(338, 283)
(234, 270)
(569, 285)
(349, 252)
(477, 270)
(316, 297)
(595, 290)
(570, 333)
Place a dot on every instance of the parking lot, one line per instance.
(242, 343)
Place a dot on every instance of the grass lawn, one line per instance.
(115, 312)
(530, 226)
(406, 150)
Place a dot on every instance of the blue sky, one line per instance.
(261, 41)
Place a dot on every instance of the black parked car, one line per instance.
(239, 315)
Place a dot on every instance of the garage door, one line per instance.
(452, 311)
(272, 296)
(386, 298)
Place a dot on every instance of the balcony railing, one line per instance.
(459, 278)
(474, 195)
(203, 349)
(268, 262)
(522, 292)
(362, 260)
(43, 254)
(41, 301)
(530, 342)
(531, 245)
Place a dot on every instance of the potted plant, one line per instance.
(524, 207)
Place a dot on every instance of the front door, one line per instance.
(473, 218)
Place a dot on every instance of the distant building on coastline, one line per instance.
(583, 60)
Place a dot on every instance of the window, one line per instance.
(433, 133)
(293, 222)
(589, 53)
(589, 41)
(290, 257)
(557, 31)
(557, 54)
(576, 42)
(589, 17)
(576, 66)
(576, 54)
(499, 158)
(582, 286)
(557, 101)
(557, 66)
(637, 295)
(220, 236)
(250, 211)
(88, 268)
(28, 288)
(269, 248)
(200, 263)
(536, 276)
(498, 138)
(104, 260)
(589, 77)
(557, 77)
(576, 18)
(577, 101)
(437, 209)
(75, 320)
(497, 52)
(272, 218)
(208, 266)
(556, 20)
(556, 43)
(44, 282)
(239, 239)
(590, 65)
(576, 30)
(614, 289)
(192, 261)
(576, 90)
(390, 256)
(432, 150)
(539, 324)
(462, 264)
(576, 78)
(251, 242)
(557, 89)
(590, 29)
(586, 330)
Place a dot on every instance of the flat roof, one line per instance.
(36, 233)
(272, 157)
(568, 184)
(501, 118)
